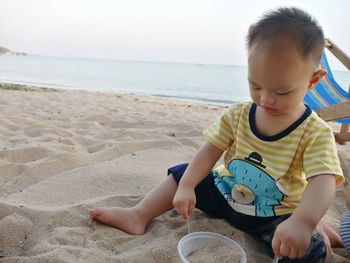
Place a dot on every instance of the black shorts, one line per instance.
(211, 201)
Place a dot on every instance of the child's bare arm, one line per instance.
(316, 199)
(202, 163)
(292, 237)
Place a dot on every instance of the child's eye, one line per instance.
(281, 94)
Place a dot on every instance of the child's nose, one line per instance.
(267, 98)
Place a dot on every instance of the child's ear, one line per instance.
(316, 77)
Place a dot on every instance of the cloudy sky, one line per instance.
(190, 31)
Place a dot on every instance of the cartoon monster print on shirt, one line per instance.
(250, 185)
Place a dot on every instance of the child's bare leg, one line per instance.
(329, 257)
(134, 220)
(333, 236)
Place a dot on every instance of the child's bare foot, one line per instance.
(126, 219)
(334, 237)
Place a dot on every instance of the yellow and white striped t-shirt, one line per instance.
(266, 175)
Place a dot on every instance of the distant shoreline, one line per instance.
(40, 88)
(6, 52)
(23, 87)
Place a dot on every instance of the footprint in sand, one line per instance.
(70, 236)
(14, 232)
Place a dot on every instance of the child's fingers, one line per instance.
(284, 250)
(301, 253)
(293, 253)
(186, 210)
(276, 243)
(191, 206)
(183, 211)
(177, 207)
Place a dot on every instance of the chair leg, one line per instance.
(344, 128)
(344, 162)
(343, 136)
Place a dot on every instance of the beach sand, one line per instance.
(67, 151)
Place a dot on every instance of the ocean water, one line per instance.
(207, 83)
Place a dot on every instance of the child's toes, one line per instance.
(95, 212)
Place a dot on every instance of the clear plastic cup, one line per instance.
(196, 240)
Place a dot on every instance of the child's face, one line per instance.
(279, 76)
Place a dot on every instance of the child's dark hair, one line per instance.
(292, 23)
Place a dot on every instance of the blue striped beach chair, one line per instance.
(330, 101)
(344, 231)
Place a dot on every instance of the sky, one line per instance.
(187, 31)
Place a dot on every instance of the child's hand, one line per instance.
(184, 200)
(292, 238)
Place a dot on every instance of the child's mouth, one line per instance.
(269, 110)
